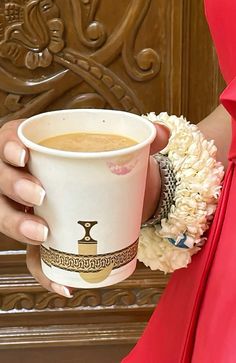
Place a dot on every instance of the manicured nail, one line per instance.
(34, 230)
(61, 290)
(14, 153)
(30, 192)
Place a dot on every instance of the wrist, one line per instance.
(153, 190)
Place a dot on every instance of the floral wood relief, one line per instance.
(38, 66)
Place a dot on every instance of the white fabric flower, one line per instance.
(199, 177)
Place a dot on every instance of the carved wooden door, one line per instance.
(134, 55)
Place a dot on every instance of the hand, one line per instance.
(153, 183)
(20, 191)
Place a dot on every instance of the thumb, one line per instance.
(161, 140)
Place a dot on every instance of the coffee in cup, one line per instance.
(88, 142)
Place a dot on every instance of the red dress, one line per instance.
(195, 320)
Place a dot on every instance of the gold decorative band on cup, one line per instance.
(88, 263)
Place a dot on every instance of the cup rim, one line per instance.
(79, 154)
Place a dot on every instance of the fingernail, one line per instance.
(34, 230)
(61, 290)
(30, 192)
(14, 153)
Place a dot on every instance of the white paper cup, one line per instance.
(94, 200)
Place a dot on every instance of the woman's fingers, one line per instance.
(26, 228)
(34, 266)
(12, 150)
(20, 186)
(17, 184)
(17, 189)
(161, 140)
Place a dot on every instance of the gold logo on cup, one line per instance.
(91, 266)
(88, 247)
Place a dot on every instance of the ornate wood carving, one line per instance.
(116, 297)
(22, 292)
(33, 38)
